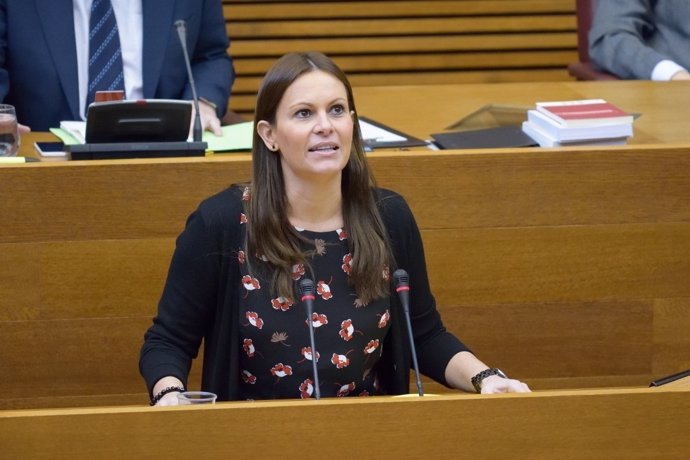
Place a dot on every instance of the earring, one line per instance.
(274, 147)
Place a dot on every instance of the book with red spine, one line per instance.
(584, 112)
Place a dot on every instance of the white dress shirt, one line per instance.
(665, 69)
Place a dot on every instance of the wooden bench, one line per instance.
(386, 42)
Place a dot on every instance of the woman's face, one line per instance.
(313, 129)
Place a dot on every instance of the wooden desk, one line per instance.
(595, 424)
(422, 110)
(425, 109)
(566, 267)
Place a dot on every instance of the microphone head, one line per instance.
(401, 278)
(306, 287)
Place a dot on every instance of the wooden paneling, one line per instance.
(566, 267)
(399, 42)
(558, 266)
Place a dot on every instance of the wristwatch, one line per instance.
(477, 379)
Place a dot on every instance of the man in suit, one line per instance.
(641, 39)
(42, 56)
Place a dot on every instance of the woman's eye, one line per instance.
(303, 113)
(338, 109)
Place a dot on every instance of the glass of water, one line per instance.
(9, 135)
(196, 397)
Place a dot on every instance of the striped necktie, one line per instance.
(105, 54)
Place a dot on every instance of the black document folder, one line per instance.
(502, 136)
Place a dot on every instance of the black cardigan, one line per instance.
(200, 301)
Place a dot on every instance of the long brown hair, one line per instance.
(269, 232)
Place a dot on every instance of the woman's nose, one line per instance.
(323, 123)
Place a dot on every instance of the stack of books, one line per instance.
(580, 122)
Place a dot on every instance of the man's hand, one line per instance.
(209, 119)
(682, 75)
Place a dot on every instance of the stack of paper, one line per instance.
(586, 121)
(75, 129)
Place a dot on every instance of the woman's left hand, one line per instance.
(496, 384)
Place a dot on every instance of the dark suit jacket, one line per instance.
(38, 62)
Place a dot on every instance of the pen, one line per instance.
(17, 160)
(670, 378)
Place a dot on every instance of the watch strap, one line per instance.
(477, 379)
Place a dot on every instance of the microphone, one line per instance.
(402, 287)
(307, 290)
(181, 27)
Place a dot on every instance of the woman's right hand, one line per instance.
(169, 399)
(167, 384)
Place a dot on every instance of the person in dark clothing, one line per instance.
(312, 210)
(44, 56)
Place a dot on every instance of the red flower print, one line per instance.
(347, 330)
(254, 319)
(250, 283)
(340, 361)
(347, 263)
(342, 234)
(297, 271)
(318, 320)
(307, 355)
(241, 257)
(248, 377)
(324, 290)
(306, 389)
(346, 389)
(249, 348)
(281, 370)
(385, 317)
(281, 303)
(371, 347)
(243, 218)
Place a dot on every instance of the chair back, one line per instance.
(583, 69)
(584, 12)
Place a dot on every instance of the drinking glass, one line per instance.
(196, 397)
(9, 136)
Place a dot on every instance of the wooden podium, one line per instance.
(641, 423)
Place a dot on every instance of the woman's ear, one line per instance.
(265, 130)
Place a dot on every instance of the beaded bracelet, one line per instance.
(164, 392)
